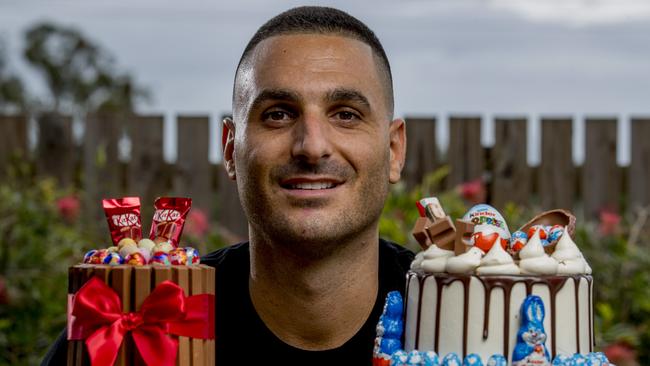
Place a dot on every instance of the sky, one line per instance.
(491, 58)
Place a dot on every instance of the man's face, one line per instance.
(311, 145)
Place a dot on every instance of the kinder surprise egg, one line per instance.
(135, 259)
(177, 256)
(160, 259)
(489, 224)
(193, 256)
(113, 259)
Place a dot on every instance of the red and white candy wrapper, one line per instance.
(169, 218)
(123, 217)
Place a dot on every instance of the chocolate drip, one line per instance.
(591, 314)
(445, 280)
(506, 282)
(576, 284)
(421, 281)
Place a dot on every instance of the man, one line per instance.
(313, 148)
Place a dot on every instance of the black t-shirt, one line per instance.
(242, 338)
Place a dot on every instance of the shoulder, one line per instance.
(391, 251)
(234, 254)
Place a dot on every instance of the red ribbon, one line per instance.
(96, 316)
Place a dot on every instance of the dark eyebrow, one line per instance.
(343, 94)
(274, 94)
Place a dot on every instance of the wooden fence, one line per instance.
(95, 169)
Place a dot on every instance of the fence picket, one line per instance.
(465, 156)
(557, 173)
(601, 177)
(192, 176)
(421, 152)
(148, 175)
(102, 176)
(13, 141)
(639, 172)
(55, 153)
(511, 174)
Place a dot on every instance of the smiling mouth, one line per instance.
(310, 185)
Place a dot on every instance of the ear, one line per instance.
(228, 144)
(539, 311)
(397, 136)
(530, 312)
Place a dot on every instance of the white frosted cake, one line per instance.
(467, 298)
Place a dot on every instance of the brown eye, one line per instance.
(278, 115)
(346, 116)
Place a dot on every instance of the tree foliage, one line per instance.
(80, 75)
(12, 91)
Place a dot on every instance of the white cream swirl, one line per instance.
(434, 259)
(497, 261)
(534, 260)
(569, 257)
(417, 261)
(466, 262)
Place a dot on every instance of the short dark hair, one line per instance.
(322, 20)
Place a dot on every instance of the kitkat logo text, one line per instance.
(127, 219)
(166, 215)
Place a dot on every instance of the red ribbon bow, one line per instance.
(97, 317)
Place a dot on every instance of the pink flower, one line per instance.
(68, 207)
(621, 354)
(609, 222)
(197, 224)
(473, 191)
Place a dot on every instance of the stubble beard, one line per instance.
(323, 234)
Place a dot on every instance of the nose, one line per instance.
(311, 139)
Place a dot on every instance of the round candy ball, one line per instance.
(146, 244)
(146, 253)
(164, 246)
(555, 233)
(177, 256)
(113, 259)
(126, 241)
(517, 241)
(127, 249)
(160, 259)
(542, 231)
(193, 256)
(98, 256)
(135, 259)
(89, 255)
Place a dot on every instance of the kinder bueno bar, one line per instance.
(439, 229)
(123, 217)
(169, 218)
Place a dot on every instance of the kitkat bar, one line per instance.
(169, 218)
(123, 217)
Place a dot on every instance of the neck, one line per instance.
(314, 304)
